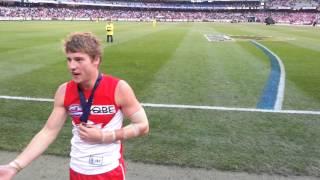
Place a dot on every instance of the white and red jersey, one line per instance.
(88, 158)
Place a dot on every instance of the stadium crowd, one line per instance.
(292, 4)
(133, 11)
(65, 13)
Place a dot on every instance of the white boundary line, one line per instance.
(26, 98)
(179, 106)
(281, 87)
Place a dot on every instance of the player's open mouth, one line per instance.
(75, 74)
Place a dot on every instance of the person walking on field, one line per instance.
(97, 104)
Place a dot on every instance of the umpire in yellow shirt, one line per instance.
(109, 29)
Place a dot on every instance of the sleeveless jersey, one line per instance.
(88, 158)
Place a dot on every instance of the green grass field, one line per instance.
(175, 64)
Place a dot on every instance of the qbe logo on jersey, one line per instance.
(103, 109)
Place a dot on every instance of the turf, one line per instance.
(175, 64)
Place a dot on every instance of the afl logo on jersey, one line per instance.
(75, 110)
(103, 109)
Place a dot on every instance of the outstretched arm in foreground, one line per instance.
(41, 140)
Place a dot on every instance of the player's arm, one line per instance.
(132, 110)
(44, 137)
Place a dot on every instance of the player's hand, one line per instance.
(7, 172)
(90, 133)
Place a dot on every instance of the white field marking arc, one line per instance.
(179, 106)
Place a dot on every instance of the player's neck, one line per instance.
(87, 85)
